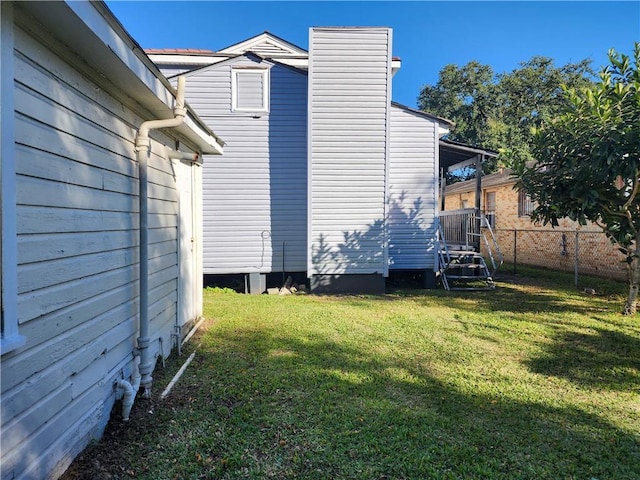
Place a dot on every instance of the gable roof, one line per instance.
(267, 45)
(232, 59)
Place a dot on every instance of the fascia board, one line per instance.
(89, 29)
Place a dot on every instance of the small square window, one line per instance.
(250, 89)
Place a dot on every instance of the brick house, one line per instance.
(527, 242)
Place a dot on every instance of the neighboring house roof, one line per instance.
(503, 177)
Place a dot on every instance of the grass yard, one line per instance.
(531, 381)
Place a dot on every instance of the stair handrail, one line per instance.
(484, 222)
(442, 243)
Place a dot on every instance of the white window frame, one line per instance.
(10, 338)
(265, 88)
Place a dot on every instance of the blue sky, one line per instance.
(427, 35)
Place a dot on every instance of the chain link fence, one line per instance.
(583, 253)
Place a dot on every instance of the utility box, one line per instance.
(257, 283)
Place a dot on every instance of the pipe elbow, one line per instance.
(128, 397)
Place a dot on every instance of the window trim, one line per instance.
(235, 72)
(10, 339)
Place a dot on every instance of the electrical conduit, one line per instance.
(143, 149)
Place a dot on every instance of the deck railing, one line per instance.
(461, 229)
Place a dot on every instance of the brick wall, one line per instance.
(530, 243)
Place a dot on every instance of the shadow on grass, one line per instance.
(320, 409)
(517, 298)
(598, 358)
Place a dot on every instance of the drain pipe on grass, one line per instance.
(143, 149)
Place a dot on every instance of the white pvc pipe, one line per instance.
(130, 391)
(143, 148)
(177, 155)
(176, 377)
(193, 330)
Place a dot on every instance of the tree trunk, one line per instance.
(634, 280)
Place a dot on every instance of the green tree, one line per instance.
(499, 111)
(588, 166)
(467, 96)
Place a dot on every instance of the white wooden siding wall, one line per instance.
(412, 190)
(349, 75)
(255, 194)
(77, 260)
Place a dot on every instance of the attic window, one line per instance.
(250, 89)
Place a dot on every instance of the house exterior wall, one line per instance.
(536, 244)
(413, 190)
(255, 195)
(78, 254)
(349, 103)
(371, 181)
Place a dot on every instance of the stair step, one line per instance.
(471, 289)
(465, 265)
(452, 253)
(461, 266)
(468, 277)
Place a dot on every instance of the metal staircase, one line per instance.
(462, 267)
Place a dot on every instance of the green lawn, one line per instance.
(529, 381)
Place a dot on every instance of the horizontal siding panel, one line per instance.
(41, 302)
(349, 75)
(88, 339)
(35, 276)
(40, 248)
(30, 133)
(364, 81)
(38, 164)
(67, 77)
(412, 191)
(45, 193)
(44, 111)
(65, 319)
(258, 188)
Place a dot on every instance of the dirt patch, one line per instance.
(105, 459)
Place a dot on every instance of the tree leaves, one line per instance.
(499, 111)
(587, 163)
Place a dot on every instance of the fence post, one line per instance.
(577, 250)
(515, 249)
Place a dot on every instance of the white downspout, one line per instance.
(143, 148)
